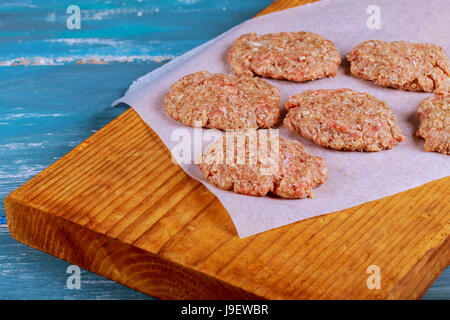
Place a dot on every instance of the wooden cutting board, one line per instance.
(116, 205)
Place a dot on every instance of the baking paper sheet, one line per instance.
(354, 177)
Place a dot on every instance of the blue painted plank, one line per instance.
(48, 109)
(36, 32)
(440, 290)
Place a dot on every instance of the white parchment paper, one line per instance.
(354, 177)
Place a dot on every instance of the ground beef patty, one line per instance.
(222, 101)
(434, 116)
(343, 119)
(292, 173)
(401, 65)
(296, 56)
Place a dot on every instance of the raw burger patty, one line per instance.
(434, 116)
(296, 56)
(296, 174)
(223, 102)
(343, 119)
(401, 65)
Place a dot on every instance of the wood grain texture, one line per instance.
(116, 205)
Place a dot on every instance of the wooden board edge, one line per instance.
(279, 5)
(41, 175)
(432, 264)
(159, 277)
(133, 267)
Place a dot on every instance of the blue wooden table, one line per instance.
(56, 88)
